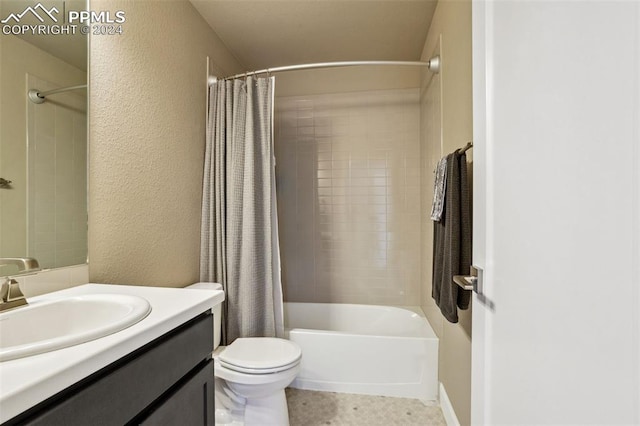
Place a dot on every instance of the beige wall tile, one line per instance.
(53, 280)
(57, 140)
(21, 64)
(349, 155)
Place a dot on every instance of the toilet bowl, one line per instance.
(258, 369)
(251, 375)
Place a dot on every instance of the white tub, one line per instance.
(364, 349)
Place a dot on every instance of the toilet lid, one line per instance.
(260, 355)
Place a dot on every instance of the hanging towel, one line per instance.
(439, 187)
(452, 241)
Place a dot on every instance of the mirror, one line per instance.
(43, 146)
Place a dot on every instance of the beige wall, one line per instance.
(452, 24)
(18, 59)
(348, 174)
(147, 133)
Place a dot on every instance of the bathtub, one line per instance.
(364, 349)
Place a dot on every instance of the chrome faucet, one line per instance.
(10, 294)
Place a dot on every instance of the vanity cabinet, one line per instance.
(169, 381)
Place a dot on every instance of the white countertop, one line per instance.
(27, 381)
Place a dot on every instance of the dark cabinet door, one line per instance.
(191, 404)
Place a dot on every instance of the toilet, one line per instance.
(251, 375)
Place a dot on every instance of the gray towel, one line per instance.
(452, 241)
(439, 187)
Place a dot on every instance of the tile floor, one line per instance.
(311, 408)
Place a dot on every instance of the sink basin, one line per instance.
(55, 324)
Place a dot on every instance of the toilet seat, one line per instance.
(260, 355)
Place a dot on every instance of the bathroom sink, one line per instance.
(55, 324)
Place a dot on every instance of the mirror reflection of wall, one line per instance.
(43, 147)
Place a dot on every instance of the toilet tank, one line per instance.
(217, 311)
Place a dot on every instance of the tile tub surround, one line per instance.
(27, 381)
(16, 74)
(57, 190)
(348, 176)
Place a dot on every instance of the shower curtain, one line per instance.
(239, 234)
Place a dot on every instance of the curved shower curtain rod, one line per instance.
(38, 97)
(432, 64)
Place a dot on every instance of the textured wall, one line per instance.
(452, 24)
(348, 175)
(147, 132)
